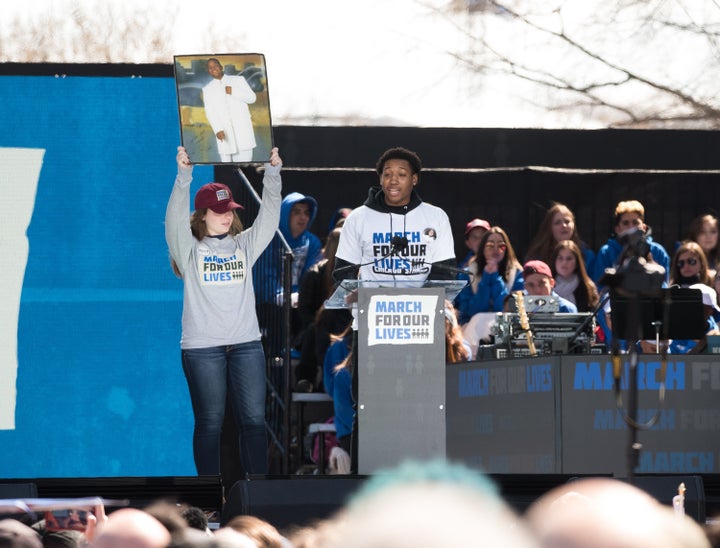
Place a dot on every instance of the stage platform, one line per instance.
(288, 501)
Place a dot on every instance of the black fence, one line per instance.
(493, 173)
(517, 198)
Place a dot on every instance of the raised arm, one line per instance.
(268, 218)
(177, 215)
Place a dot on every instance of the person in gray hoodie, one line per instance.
(221, 350)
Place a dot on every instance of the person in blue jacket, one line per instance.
(629, 217)
(337, 381)
(297, 213)
(493, 274)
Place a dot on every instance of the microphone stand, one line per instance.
(633, 334)
(633, 447)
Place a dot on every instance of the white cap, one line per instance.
(709, 295)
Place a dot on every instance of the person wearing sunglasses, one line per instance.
(494, 273)
(689, 266)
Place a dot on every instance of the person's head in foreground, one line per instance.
(429, 504)
(609, 513)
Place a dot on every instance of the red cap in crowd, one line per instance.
(482, 223)
(537, 267)
(215, 196)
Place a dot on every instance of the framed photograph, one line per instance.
(224, 108)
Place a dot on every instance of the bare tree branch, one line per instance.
(708, 110)
(599, 81)
(86, 36)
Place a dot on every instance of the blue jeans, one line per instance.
(211, 374)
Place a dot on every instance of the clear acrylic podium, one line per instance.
(400, 368)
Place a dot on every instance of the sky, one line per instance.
(377, 60)
(388, 62)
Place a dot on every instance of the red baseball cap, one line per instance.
(536, 267)
(215, 196)
(482, 223)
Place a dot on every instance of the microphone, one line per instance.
(397, 244)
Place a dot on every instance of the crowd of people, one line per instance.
(161, 524)
(415, 504)
(557, 263)
(578, 276)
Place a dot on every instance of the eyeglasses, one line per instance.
(691, 262)
(491, 246)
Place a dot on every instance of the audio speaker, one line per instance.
(287, 502)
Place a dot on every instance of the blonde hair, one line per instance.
(629, 206)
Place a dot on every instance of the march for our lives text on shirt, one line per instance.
(407, 262)
(221, 269)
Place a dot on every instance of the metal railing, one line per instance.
(272, 295)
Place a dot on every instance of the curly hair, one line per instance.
(399, 153)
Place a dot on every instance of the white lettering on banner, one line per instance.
(402, 319)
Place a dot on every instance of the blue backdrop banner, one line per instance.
(94, 385)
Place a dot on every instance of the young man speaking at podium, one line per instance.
(394, 235)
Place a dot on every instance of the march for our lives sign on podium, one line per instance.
(401, 319)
